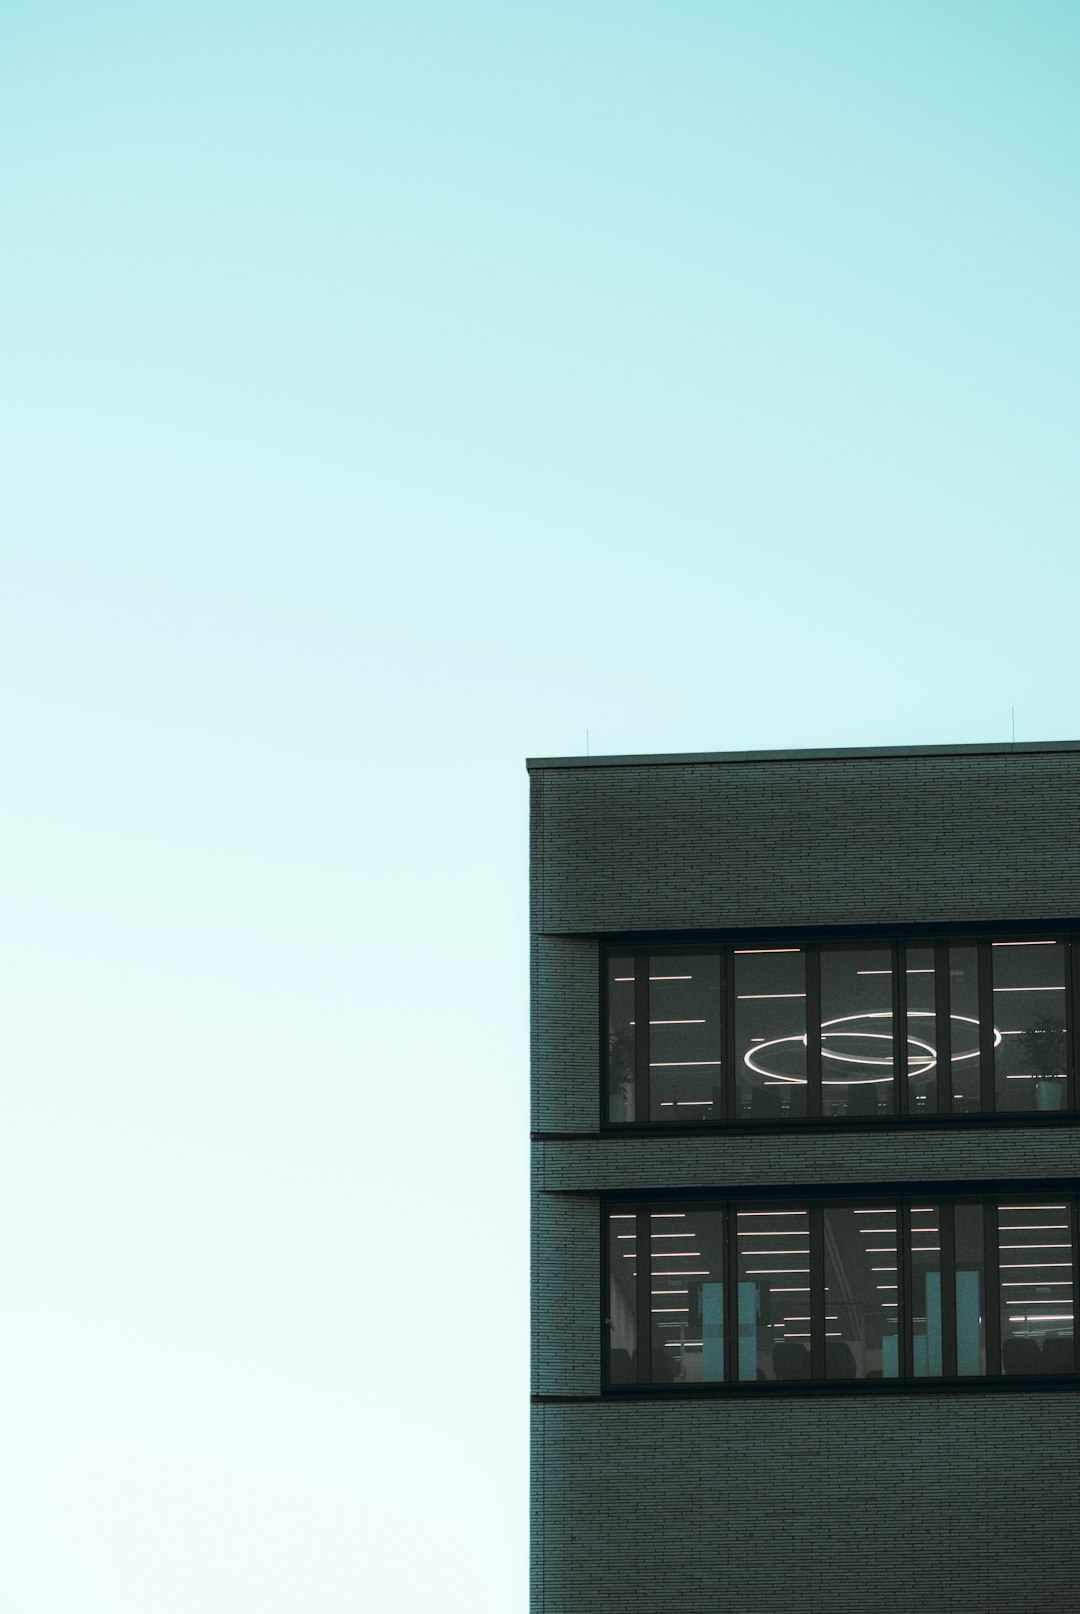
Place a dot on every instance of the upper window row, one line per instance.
(742, 1034)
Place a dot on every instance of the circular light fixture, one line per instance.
(923, 1061)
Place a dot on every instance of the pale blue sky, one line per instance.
(393, 391)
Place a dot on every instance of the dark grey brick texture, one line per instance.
(804, 1160)
(923, 1503)
(904, 839)
(566, 1034)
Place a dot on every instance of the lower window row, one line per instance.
(882, 1287)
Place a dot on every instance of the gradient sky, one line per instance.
(392, 391)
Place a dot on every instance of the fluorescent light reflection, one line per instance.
(679, 1064)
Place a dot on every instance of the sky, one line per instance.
(392, 391)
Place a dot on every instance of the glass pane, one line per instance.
(770, 1033)
(970, 1287)
(620, 997)
(924, 1233)
(862, 1292)
(1035, 1251)
(921, 1031)
(856, 1032)
(622, 1297)
(687, 1301)
(964, 1028)
(685, 1042)
(774, 1294)
(1029, 1025)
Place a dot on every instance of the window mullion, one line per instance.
(817, 1291)
(813, 1032)
(900, 1104)
(992, 1305)
(986, 1029)
(943, 1031)
(1072, 1012)
(906, 1311)
(729, 1052)
(643, 1227)
(1075, 1280)
(731, 1295)
(947, 1227)
(642, 1100)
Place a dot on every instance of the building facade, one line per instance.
(803, 1285)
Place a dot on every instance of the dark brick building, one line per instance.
(802, 1284)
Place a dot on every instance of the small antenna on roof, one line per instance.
(1013, 711)
(587, 741)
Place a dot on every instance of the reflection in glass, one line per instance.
(1029, 1014)
(685, 1042)
(1035, 1253)
(922, 1051)
(687, 1299)
(774, 1305)
(622, 1297)
(856, 1032)
(862, 1294)
(969, 1288)
(927, 1338)
(620, 1062)
(823, 1292)
(770, 1033)
(964, 1029)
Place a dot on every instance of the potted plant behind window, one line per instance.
(1044, 1049)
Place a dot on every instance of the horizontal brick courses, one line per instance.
(810, 1160)
(908, 839)
(927, 1505)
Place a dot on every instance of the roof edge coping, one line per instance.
(826, 753)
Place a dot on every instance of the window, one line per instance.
(866, 1288)
(747, 1034)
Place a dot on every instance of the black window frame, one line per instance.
(902, 1200)
(901, 1114)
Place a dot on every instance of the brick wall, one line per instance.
(925, 1504)
(908, 838)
